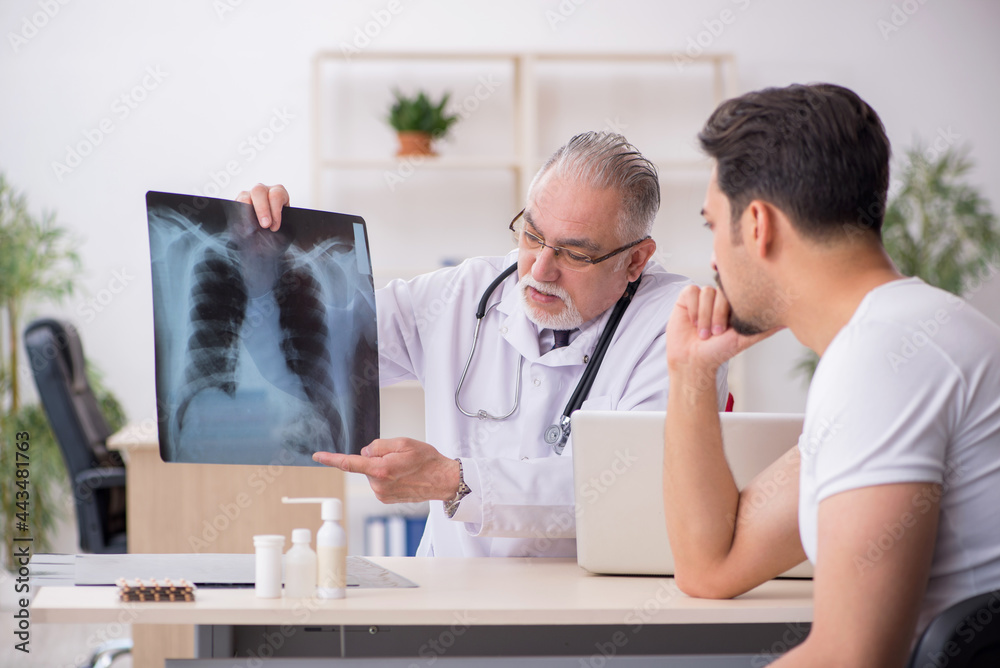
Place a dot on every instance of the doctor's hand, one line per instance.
(699, 334)
(267, 202)
(400, 470)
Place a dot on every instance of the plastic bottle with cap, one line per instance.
(331, 547)
(300, 566)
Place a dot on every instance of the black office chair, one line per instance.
(966, 635)
(97, 474)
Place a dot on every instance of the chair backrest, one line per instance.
(56, 358)
(966, 635)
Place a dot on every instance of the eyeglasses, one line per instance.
(566, 258)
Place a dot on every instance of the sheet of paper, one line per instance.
(201, 569)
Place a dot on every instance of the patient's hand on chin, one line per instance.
(267, 202)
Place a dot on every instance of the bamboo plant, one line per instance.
(37, 263)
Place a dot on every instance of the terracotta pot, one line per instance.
(414, 143)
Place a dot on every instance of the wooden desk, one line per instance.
(196, 508)
(514, 597)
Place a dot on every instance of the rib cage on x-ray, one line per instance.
(303, 325)
(218, 308)
(258, 338)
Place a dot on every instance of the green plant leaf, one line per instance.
(420, 114)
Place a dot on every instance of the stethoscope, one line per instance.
(556, 434)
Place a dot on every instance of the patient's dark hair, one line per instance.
(817, 152)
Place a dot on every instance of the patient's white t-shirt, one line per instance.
(909, 391)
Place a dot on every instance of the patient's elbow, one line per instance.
(704, 584)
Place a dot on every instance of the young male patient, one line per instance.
(893, 488)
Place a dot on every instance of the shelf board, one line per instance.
(404, 386)
(424, 162)
(692, 165)
(664, 56)
(664, 164)
(477, 162)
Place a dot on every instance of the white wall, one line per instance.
(223, 74)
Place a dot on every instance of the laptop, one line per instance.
(618, 479)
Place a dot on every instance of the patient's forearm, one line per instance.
(699, 493)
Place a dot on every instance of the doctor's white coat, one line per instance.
(522, 492)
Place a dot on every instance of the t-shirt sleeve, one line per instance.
(882, 404)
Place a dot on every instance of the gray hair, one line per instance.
(608, 160)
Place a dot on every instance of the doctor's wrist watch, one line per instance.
(451, 507)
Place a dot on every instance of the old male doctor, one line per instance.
(496, 486)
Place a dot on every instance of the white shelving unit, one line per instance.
(526, 108)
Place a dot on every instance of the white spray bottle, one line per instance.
(331, 548)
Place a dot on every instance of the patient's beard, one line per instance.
(567, 318)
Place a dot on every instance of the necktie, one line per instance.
(562, 337)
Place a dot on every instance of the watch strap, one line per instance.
(451, 507)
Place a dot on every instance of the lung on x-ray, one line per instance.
(266, 344)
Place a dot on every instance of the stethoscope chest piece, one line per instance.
(556, 435)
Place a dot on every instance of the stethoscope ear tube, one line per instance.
(583, 389)
(558, 434)
(480, 314)
(481, 310)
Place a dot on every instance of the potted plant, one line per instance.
(937, 227)
(418, 121)
(37, 261)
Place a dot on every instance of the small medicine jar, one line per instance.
(267, 565)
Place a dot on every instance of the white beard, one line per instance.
(568, 318)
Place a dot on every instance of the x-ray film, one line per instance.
(266, 343)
